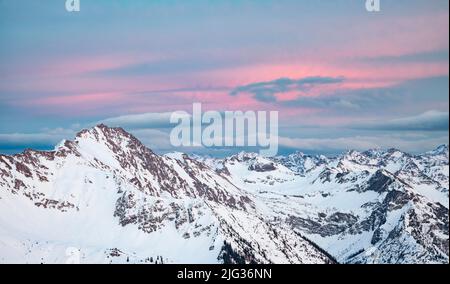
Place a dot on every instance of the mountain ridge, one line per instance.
(177, 208)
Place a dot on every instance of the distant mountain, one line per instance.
(113, 200)
(361, 207)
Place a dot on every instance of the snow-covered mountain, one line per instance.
(107, 198)
(361, 207)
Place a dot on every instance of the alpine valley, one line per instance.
(106, 198)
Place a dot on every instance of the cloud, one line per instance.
(408, 96)
(154, 139)
(169, 66)
(139, 121)
(428, 121)
(266, 91)
(348, 100)
(406, 143)
(46, 139)
(15, 141)
(430, 56)
(149, 120)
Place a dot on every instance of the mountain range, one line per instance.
(104, 197)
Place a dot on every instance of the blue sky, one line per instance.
(340, 77)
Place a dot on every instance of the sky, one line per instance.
(341, 77)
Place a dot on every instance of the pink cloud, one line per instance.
(393, 37)
(78, 99)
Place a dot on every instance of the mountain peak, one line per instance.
(299, 153)
(102, 128)
(353, 155)
(441, 149)
(374, 152)
(244, 156)
(113, 136)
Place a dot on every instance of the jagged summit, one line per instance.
(440, 150)
(112, 136)
(106, 130)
